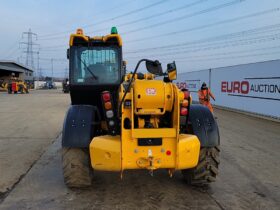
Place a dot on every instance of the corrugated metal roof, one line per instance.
(8, 68)
(13, 66)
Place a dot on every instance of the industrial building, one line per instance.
(8, 68)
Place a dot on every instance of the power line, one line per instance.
(205, 40)
(54, 59)
(12, 51)
(55, 46)
(211, 41)
(199, 27)
(187, 59)
(227, 43)
(52, 50)
(113, 18)
(230, 44)
(157, 14)
(231, 57)
(127, 13)
(229, 53)
(211, 9)
(168, 21)
(9, 51)
(146, 18)
(236, 34)
(208, 25)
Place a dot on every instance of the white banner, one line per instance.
(193, 81)
(250, 87)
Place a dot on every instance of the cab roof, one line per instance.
(80, 39)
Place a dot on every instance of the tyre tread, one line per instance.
(206, 169)
(76, 169)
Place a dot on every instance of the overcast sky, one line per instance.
(197, 34)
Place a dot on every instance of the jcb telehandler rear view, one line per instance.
(120, 121)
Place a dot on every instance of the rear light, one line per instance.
(108, 109)
(108, 105)
(185, 103)
(111, 123)
(109, 114)
(168, 152)
(186, 94)
(184, 111)
(106, 96)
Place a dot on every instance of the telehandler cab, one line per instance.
(120, 121)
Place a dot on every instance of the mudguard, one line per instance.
(78, 127)
(204, 125)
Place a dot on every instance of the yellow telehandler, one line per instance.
(120, 121)
(17, 85)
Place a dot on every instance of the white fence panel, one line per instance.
(250, 87)
(193, 81)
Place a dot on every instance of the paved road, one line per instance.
(248, 179)
(29, 123)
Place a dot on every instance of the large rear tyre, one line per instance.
(77, 171)
(206, 169)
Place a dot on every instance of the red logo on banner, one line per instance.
(235, 87)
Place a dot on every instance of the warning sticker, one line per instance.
(151, 91)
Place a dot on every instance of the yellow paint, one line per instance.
(79, 34)
(153, 132)
(105, 153)
(172, 75)
(187, 151)
(149, 76)
(148, 97)
(152, 97)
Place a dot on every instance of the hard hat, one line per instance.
(203, 84)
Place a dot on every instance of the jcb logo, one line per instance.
(151, 91)
(235, 87)
(181, 85)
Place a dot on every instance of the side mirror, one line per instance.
(124, 63)
(154, 67)
(68, 53)
(172, 71)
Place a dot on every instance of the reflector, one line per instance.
(186, 94)
(184, 111)
(106, 96)
(109, 114)
(185, 103)
(111, 123)
(108, 105)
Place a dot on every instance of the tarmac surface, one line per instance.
(248, 178)
(29, 123)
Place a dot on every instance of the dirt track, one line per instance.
(248, 179)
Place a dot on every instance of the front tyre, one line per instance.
(77, 171)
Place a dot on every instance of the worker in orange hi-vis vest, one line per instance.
(204, 95)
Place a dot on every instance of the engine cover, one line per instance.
(152, 97)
